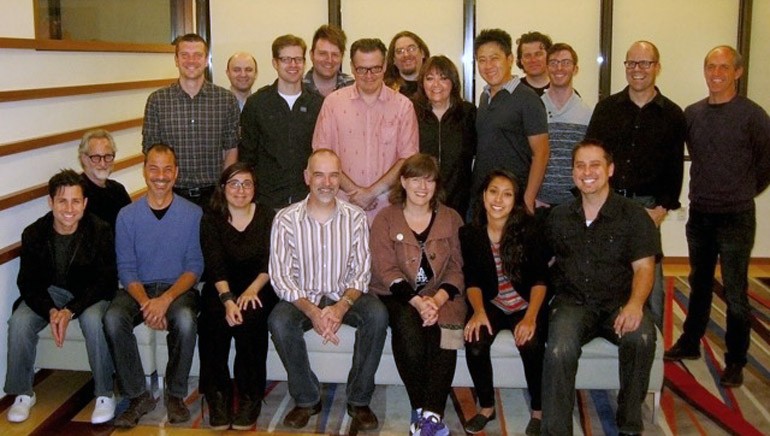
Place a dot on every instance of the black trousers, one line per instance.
(214, 338)
(479, 362)
(426, 369)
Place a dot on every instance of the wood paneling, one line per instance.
(16, 198)
(64, 91)
(45, 141)
(67, 45)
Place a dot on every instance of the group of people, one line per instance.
(384, 199)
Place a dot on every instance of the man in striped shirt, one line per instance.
(320, 268)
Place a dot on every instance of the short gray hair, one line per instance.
(96, 133)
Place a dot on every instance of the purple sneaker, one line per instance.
(431, 426)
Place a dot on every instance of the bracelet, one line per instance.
(226, 296)
(348, 300)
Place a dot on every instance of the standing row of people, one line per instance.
(366, 138)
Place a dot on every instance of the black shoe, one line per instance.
(219, 411)
(363, 416)
(533, 428)
(248, 412)
(299, 416)
(679, 352)
(732, 376)
(137, 408)
(176, 410)
(478, 422)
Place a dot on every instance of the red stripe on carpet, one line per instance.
(500, 413)
(763, 301)
(667, 406)
(687, 387)
(465, 403)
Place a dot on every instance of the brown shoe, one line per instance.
(137, 408)
(176, 410)
(299, 416)
(363, 416)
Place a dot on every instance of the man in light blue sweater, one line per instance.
(159, 261)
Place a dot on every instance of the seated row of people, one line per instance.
(316, 266)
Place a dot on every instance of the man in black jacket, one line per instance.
(67, 271)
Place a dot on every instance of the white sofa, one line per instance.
(597, 369)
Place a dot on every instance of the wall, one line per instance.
(21, 120)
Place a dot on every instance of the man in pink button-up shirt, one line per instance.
(371, 127)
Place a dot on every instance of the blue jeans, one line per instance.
(124, 314)
(570, 327)
(288, 326)
(729, 237)
(23, 328)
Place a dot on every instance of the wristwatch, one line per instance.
(348, 300)
(226, 296)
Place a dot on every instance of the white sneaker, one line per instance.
(104, 410)
(19, 412)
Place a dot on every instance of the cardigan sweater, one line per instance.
(396, 254)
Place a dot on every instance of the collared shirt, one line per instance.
(343, 80)
(566, 127)
(198, 128)
(276, 142)
(647, 145)
(504, 124)
(369, 140)
(593, 263)
(310, 259)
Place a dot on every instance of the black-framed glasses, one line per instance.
(96, 158)
(377, 69)
(565, 63)
(645, 65)
(246, 185)
(286, 60)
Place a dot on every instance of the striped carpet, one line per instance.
(692, 401)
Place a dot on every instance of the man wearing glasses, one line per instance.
(371, 127)
(97, 157)
(645, 132)
(406, 54)
(277, 125)
(568, 117)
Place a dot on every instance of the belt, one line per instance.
(194, 192)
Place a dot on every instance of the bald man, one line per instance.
(242, 72)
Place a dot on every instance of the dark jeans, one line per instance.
(570, 327)
(426, 369)
(479, 361)
(288, 326)
(124, 314)
(214, 338)
(729, 237)
(656, 300)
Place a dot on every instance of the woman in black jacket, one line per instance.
(505, 268)
(447, 128)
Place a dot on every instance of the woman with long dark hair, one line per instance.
(417, 272)
(505, 270)
(447, 128)
(236, 300)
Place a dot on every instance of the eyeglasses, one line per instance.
(246, 185)
(96, 158)
(565, 63)
(377, 69)
(286, 60)
(645, 65)
(411, 49)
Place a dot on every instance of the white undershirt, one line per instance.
(290, 99)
